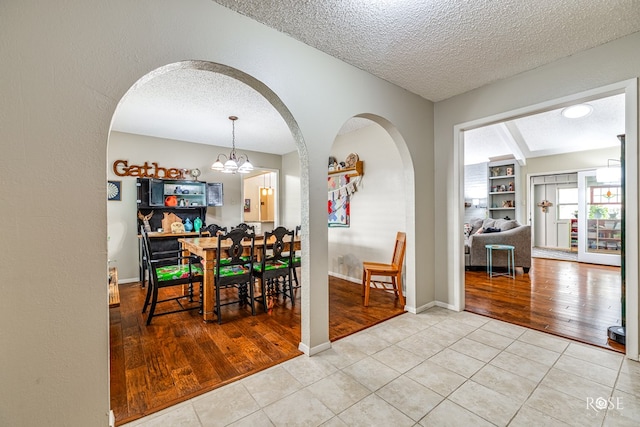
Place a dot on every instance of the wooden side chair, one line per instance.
(234, 269)
(392, 273)
(274, 268)
(213, 229)
(168, 269)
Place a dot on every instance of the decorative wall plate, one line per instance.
(113, 190)
(351, 160)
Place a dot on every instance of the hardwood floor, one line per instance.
(574, 300)
(179, 356)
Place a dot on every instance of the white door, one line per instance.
(599, 223)
(552, 226)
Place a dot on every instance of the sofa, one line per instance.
(488, 231)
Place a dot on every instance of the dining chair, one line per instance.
(234, 269)
(297, 259)
(169, 269)
(274, 268)
(213, 229)
(392, 273)
(246, 227)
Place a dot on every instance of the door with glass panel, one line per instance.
(599, 220)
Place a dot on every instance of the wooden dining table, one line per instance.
(206, 248)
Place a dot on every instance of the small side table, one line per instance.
(511, 267)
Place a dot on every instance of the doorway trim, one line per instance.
(630, 89)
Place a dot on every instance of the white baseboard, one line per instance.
(447, 306)
(136, 279)
(416, 310)
(314, 350)
(347, 278)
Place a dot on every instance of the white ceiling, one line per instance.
(548, 133)
(436, 49)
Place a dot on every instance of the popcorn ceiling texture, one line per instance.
(442, 48)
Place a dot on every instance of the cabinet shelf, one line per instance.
(603, 232)
(502, 177)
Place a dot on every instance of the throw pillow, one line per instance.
(488, 222)
(476, 224)
(506, 224)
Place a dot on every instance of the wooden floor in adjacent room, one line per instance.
(179, 356)
(570, 299)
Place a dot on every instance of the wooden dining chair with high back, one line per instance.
(246, 227)
(169, 269)
(391, 273)
(214, 229)
(234, 269)
(274, 268)
(297, 259)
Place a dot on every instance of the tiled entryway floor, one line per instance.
(436, 368)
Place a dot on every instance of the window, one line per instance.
(567, 203)
(606, 202)
(606, 195)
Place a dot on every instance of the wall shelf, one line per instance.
(503, 189)
(358, 170)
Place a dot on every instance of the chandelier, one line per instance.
(233, 163)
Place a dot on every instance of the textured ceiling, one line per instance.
(441, 48)
(195, 105)
(434, 48)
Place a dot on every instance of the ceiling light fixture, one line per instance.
(233, 163)
(577, 111)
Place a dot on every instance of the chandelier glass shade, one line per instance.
(233, 162)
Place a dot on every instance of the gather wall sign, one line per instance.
(148, 170)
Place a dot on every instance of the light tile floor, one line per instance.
(437, 368)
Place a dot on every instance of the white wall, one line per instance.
(475, 187)
(377, 207)
(568, 162)
(66, 65)
(586, 71)
(291, 215)
(136, 149)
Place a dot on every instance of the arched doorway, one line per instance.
(170, 151)
(366, 208)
